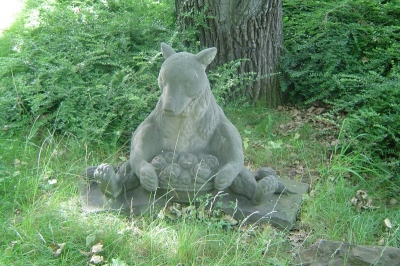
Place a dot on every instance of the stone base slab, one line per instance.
(278, 210)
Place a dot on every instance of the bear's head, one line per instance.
(182, 78)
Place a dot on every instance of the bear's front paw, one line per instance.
(148, 177)
(224, 178)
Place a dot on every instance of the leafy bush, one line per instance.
(346, 54)
(328, 38)
(374, 112)
(89, 68)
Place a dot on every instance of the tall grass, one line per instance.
(331, 212)
(41, 208)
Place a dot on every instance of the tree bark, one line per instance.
(241, 29)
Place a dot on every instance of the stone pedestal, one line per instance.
(278, 210)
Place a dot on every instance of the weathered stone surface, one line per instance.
(278, 210)
(186, 143)
(332, 253)
(187, 147)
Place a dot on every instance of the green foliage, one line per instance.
(225, 83)
(191, 22)
(372, 127)
(373, 123)
(346, 54)
(324, 39)
(88, 68)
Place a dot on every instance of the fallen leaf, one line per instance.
(189, 212)
(354, 201)
(299, 169)
(297, 236)
(97, 248)
(388, 223)
(56, 248)
(176, 209)
(319, 110)
(361, 194)
(362, 201)
(96, 259)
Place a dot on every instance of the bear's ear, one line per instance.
(166, 50)
(206, 56)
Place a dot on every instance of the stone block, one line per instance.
(280, 210)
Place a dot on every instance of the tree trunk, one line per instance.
(250, 29)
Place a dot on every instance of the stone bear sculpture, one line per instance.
(186, 143)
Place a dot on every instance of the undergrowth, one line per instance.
(330, 38)
(89, 69)
(345, 55)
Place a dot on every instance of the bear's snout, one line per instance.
(175, 105)
(169, 107)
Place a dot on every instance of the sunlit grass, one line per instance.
(40, 213)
